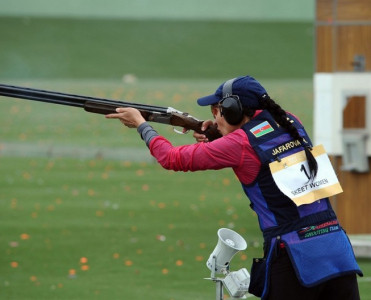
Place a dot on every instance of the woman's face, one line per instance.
(223, 126)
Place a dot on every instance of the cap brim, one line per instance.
(208, 100)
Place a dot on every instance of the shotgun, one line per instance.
(158, 114)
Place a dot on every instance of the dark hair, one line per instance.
(249, 112)
(280, 116)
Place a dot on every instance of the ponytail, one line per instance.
(280, 116)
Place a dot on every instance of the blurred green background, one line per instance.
(156, 39)
(74, 48)
(85, 212)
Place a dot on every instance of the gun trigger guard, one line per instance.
(180, 132)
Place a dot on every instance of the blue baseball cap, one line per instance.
(247, 88)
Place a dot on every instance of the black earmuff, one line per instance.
(230, 106)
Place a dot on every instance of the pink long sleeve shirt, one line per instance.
(230, 151)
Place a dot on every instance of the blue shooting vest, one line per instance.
(318, 247)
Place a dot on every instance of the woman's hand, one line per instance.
(128, 116)
(201, 138)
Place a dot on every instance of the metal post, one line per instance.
(219, 289)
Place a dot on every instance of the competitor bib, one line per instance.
(291, 175)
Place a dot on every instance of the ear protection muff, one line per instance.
(230, 106)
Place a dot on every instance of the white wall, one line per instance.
(331, 91)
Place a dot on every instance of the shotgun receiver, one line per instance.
(158, 114)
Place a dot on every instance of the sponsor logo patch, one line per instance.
(261, 129)
(317, 230)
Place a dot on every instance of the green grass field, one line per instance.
(145, 232)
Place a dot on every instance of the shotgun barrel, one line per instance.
(158, 114)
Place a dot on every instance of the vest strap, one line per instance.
(309, 220)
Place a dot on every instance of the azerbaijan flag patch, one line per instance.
(262, 129)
